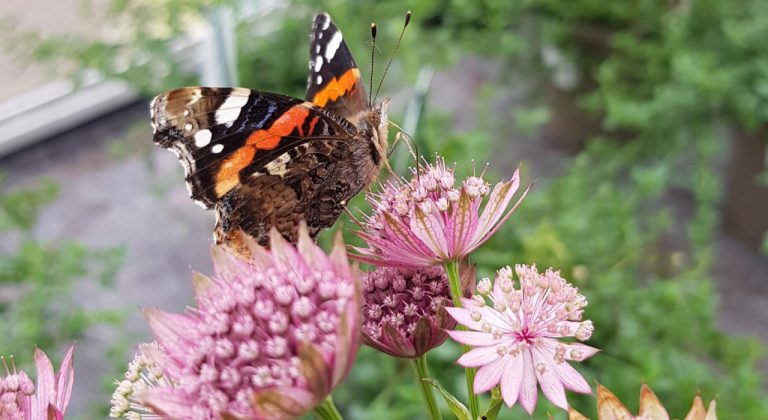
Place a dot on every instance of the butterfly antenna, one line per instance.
(373, 51)
(400, 38)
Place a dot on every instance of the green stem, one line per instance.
(454, 280)
(420, 369)
(327, 410)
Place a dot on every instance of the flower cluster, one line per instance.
(403, 311)
(514, 335)
(20, 399)
(428, 220)
(269, 338)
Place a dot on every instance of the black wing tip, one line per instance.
(323, 21)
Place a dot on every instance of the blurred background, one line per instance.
(643, 124)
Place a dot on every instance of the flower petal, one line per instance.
(548, 378)
(173, 331)
(347, 340)
(429, 230)
(45, 391)
(609, 406)
(462, 223)
(488, 376)
(473, 338)
(64, 381)
(314, 369)
(650, 406)
(392, 338)
(697, 412)
(512, 379)
(284, 255)
(528, 392)
(283, 403)
(203, 285)
(478, 357)
(500, 196)
(569, 376)
(226, 264)
(401, 238)
(585, 351)
(53, 413)
(171, 402)
(313, 255)
(464, 317)
(491, 218)
(425, 336)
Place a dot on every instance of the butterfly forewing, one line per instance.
(224, 135)
(334, 81)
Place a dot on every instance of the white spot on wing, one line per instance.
(333, 45)
(202, 138)
(217, 148)
(327, 22)
(318, 63)
(230, 109)
(317, 49)
(188, 126)
(277, 166)
(319, 79)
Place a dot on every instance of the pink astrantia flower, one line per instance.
(428, 220)
(269, 338)
(21, 400)
(514, 335)
(403, 313)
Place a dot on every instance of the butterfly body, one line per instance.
(264, 160)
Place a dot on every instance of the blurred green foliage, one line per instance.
(669, 72)
(38, 306)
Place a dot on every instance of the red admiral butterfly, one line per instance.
(263, 159)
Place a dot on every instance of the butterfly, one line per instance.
(264, 160)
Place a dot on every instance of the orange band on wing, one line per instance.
(229, 174)
(337, 88)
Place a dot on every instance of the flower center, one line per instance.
(525, 335)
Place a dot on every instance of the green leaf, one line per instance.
(457, 408)
(495, 406)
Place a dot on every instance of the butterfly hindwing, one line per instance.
(308, 187)
(223, 136)
(334, 81)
